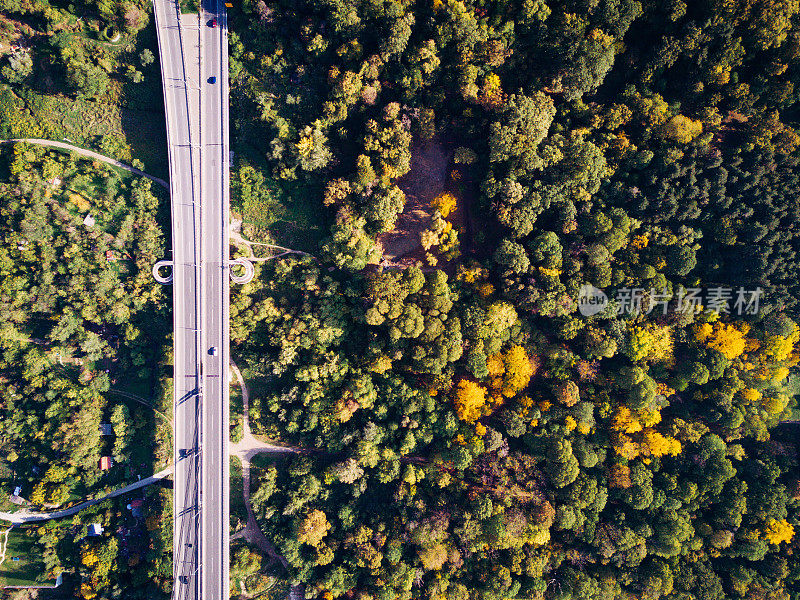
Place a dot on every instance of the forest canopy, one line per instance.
(533, 332)
(481, 168)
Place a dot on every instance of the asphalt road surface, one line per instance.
(214, 202)
(196, 107)
(184, 194)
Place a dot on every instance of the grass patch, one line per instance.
(260, 463)
(120, 133)
(238, 508)
(29, 569)
(286, 213)
(236, 410)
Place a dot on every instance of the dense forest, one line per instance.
(464, 177)
(462, 174)
(82, 343)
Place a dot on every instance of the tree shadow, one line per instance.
(142, 106)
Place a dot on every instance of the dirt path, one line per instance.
(30, 517)
(88, 154)
(237, 237)
(248, 447)
(245, 449)
(4, 544)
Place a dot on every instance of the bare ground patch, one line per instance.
(426, 180)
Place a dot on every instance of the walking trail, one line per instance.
(240, 239)
(245, 449)
(88, 154)
(4, 544)
(30, 517)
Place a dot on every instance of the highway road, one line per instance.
(215, 253)
(194, 70)
(186, 297)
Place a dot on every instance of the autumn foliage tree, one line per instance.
(470, 399)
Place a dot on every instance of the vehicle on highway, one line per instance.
(183, 453)
(213, 351)
(212, 80)
(212, 23)
(183, 579)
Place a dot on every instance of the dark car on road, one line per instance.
(212, 23)
(212, 80)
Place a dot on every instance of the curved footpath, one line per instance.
(4, 544)
(88, 154)
(29, 517)
(245, 450)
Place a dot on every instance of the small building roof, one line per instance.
(106, 429)
(135, 507)
(88, 220)
(105, 463)
(95, 529)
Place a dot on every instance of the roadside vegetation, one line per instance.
(83, 359)
(85, 72)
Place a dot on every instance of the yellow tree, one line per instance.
(433, 557)
(313, 528)
(780, 347)
(726, 338)
(658, 445)
(778, 531)
(445, 203)
(625, 421)
(470, 400)
(491, 94)
(510, 372)
(651, 343)
(682, 129)
(518, 371)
